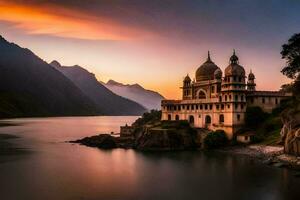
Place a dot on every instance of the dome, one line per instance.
(206, 70)
(187, 79)
(218, 74)
(251, 76)
(234, 69)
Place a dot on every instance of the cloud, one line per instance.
(65, 22)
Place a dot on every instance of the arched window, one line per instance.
(169, 117)
(207, 119)
(191, 119)
(201, 95)
(221, 119)
(177, 117)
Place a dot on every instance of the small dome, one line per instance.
(187, 79)
(218, 74)
(234, 69)
(251, 76)
(206, 70)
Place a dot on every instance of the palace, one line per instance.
(214, 101)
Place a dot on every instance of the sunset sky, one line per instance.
(155, 43)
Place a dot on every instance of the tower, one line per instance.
(186, 89)
(234, 93)
(251, 86)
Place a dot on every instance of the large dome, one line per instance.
(206, 70)
(234, 69)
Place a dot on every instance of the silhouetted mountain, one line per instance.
(108, 102)
(31, 87)
(135, 92)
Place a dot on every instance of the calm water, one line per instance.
(55, 170)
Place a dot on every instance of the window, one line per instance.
(228, 106)
(220, 99)
(217, 107)
(246, 138)
(236, 97)
(212, 89)
(169, 117)
(187, 107)
(205, 106)
(221, 119)
(230, 97)
(192, 107)
(238, 117)
(242, 97)
(201, 106)
(225, 97)
(210, 106)
(191, 119)
(234, 78)
(177, 117)
(197, 107)
(263, 100)
(199, 116)
(222, 106)
(207, 119)
(236, 106)
(182, 107)
(240, 79)
(242, 106)
(276, 101)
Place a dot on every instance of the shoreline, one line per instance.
(269, 155)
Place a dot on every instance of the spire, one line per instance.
(208, 56)
(234, 59)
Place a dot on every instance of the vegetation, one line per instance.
(254, 117)
(148, 117)
(291, 53)
(215, 139)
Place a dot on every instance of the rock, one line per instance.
(103, 141)
(166, 139)
(279, 164)
(290, 132)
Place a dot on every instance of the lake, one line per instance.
(54, 170)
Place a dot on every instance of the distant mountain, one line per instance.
(31, 87)
(135, 92)
(107, 101)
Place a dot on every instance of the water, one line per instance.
(55, 170)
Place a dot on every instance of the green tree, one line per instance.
(215, 139)
(291, 53)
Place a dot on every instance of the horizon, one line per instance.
(130, 43)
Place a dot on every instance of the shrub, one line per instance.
(215, 139)
(255, 116)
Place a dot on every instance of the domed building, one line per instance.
(214, 101)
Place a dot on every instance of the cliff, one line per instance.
(290, 132)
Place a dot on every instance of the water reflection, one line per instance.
(58, 170)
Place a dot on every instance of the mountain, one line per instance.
(107, 101)
(31, 87)
(135, 92)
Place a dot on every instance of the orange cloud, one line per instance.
(62, 22)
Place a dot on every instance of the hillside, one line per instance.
(31, 87)
(108, 102)
(147, 98)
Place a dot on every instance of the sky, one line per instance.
(155, 43)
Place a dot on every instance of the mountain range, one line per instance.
(148, 98)
(107, 101)
(30, 87)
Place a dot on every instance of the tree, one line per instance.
(215, 139)
(291, 53)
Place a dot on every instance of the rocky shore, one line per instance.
(270, 155)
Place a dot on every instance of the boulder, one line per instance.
(103, 141)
